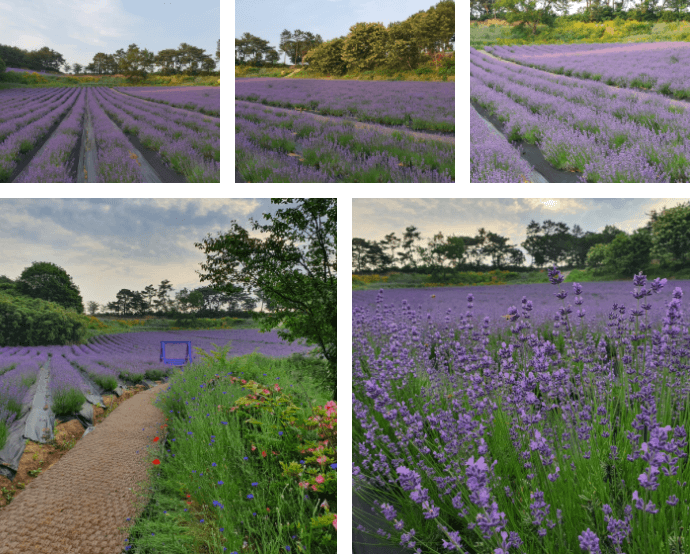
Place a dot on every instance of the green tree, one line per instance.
(47, 281)
(365, 46)
(392, 243)
(597, 255)
(671, 235)
(529, 13)
(453, 250)
(360, 248)
(93, 307)
(629, 254)
(3, 67)
(295, 267)
(410, 236)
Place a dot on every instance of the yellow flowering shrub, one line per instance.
(366, 279)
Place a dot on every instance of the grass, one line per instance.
(498, 32)
(394, 279)
(233, 495)
(567, 440)
(102, 325)
(12, 79)
(241, 469)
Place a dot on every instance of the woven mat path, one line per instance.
(77, 505)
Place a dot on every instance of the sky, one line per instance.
(331, 19)
(373, 219)
(110, 244)
(79, 29)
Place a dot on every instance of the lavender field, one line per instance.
(525, 418)
(112, 360)
(374, 131)
(656, 66)
(600, 132)
(102, 135)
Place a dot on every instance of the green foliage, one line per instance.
(299, 281)
(627, 255)
(47, 281)
(327, 57)
(364, 48)
(404, 53)
(28, 321)
(3, 66)
(671, 231)
(597, 255)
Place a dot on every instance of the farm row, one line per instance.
(658, 66)
(202, 99)
(605, 134)
(375, 132)
(79, 371)
(101, 135)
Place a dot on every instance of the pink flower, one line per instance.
(319, 479)
(335, 522)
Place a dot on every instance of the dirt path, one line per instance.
(77, 505)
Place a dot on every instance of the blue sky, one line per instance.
(373, 219)
(331, 19)
(110, 244)
(79, 29)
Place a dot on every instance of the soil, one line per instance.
(38, 458)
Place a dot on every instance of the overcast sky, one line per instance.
(79, 29)
(110, 244)
(373, 219)
(331, 19)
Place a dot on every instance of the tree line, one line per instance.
(534, 12)
(186, 59)
(48, 281)
(368, 45)
(665, 238)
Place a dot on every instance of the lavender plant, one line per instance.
(610, 135)
(571, 443)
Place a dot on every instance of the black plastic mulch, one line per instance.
(166, 173)
(533, 155)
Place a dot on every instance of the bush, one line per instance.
(28, 321)
(3, 66)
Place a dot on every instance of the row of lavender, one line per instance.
(26, 115)
(271, 146)
(203, 99)
(661, 66)
(112, 358)
(611, 135)
(492, 158)
(521, 446)
(188, 142)
(424, 105)
(447, 304)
